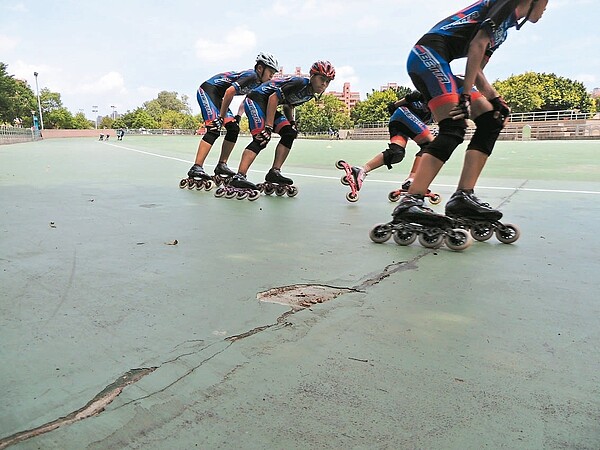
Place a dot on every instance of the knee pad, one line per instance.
(288, 135)
(256, 146)
(393, 154)
(211, 136)
(233, 131)
(423, 148)
(487, 132)
(450, 136)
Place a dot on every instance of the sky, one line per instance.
(122, 53)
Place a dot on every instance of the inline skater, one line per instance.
(409, 119)
(475, 33)
(214, 97)
(261, 105)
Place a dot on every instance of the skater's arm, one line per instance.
(475, 61)
(227, 98)
(271, 109)
(288, 112)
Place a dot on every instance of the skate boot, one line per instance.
(394, 196)
(412, 220)
(276, 183)
(353, 177)
(479, 218)
(197, 178)
(240, 188)
(223, 174)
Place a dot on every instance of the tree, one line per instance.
(319, 116)
(59, 117)
(80, 122)
(17, 100)
(166, 101)
(374, 108)
(543, 92)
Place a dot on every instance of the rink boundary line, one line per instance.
(323, 177)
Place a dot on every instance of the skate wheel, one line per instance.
(292, 191)
(435, 199)
(279, 191)
(268, 190)
(482, 231)
(508, 234)
(191, 183)
(404, 237)
(380, 233)
(220, 192)
(344, 180)
(208, 185)
(394, 196)
(431, 240)
(230, 193)
(352, 197)
(242, 195)
(253, 195)
(183, 183)
(339, 164)
(458, 240)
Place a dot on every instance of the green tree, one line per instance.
(17, 100)
(319, 116)
(533, 91)
(374, 108)
(166, 101)
(59, 117)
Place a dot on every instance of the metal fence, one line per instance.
(12, 135)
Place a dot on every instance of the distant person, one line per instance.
(120, 134)
(264, 118)
(475, 33)
(214, 97)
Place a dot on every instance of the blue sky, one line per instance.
(123, 52)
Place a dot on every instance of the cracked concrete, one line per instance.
(366, 346)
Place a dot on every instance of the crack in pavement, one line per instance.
(297, 296)
(92, 408)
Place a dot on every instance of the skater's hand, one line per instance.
(265, 135)
(502, 108)
(217, 123)
(391, 107)
(293, 125)
(238, 118)
(463, 109)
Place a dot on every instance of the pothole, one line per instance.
(300, 296)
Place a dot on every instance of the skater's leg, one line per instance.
(231, 135)
(226, 150)
(203, 151)
(375, 163)
(472, 167)
(248, 157)
(281, 154)
(427, 170)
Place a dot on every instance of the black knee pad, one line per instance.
(256, 146)
(393, 154)
(423, 148)
(288, 135)
(450, 136)
(233, 131)
(211, 136)
(487, 132)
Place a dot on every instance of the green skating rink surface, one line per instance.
(493, 347)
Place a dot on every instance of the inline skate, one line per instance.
(354, 178)
(223, 174)
(412, 220)
(238, 187)
(394, 196)
(470, 213)
(197, 178)
(278, 184)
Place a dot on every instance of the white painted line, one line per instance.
(371, 180)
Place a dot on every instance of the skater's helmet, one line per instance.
(324, 68)
(268, 60)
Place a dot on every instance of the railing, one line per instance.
(12, 135)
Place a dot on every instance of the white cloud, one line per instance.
(8, 43)
(238, 42)
(18, 7)
(112, 82)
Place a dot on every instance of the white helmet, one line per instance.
(268, 60)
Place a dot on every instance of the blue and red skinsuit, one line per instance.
(210, 93)
(292, 91)
(412, 119)
(429, 61)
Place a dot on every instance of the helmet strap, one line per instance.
(526, 18)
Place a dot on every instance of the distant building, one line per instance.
(348, 97)
(297, 73)
(596, 93)
(393, 86)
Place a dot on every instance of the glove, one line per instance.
(265, 135)
(238, 118)
(414, 96)
(462, 110)
(501, 107)
(293, 124)
(216, 124)
(391, 107)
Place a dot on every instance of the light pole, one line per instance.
(35, 74)
(113, 112)
(95, 111)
